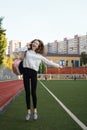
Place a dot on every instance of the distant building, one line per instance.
(12, 46)
(63, 47)
(52, 48)
(66, 52)
(83, 44)
(74, 46)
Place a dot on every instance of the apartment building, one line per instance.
(63, 47)
(68, 51)
(75, 45)
(13, 45)
(83, 44)
(52, 48)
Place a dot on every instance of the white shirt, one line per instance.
(32, 60)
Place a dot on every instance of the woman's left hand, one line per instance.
(61, 66)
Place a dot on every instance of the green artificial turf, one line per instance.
(51, 116)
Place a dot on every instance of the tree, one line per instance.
(3, 41)
(83, 58)
(8, 60)
(42, 68)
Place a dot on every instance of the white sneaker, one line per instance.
(35, 116)
(28, 117)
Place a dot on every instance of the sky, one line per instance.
(48, 20)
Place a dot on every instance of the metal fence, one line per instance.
(61, 76)
(6, 74)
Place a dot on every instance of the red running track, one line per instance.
(8, 90)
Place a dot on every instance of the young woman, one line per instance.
(31, 62)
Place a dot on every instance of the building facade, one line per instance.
(74, 46)
(66, 52)
(83, 44)
(13, 45)
(65, 60)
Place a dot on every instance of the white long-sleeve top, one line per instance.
(32, 60)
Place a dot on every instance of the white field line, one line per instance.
(84, 127)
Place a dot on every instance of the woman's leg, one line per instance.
(33, 90)
(27, 90)
(34, 96)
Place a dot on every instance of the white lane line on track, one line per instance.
(84, 127)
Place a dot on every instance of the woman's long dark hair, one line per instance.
(40, 49)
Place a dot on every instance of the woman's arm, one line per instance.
(51, 63)
(23, 49)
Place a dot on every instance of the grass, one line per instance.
(51, 115)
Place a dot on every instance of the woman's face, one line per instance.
(35, 45)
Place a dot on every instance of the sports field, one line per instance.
(62, 105)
